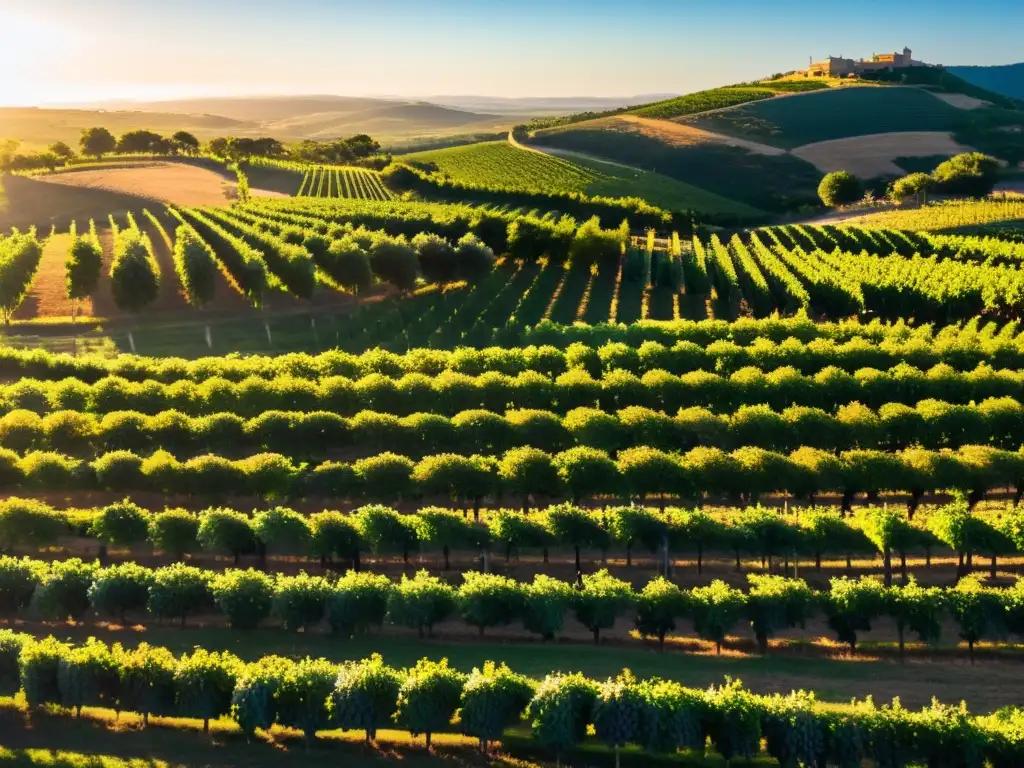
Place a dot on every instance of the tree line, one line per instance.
(814, 533)
(657, 716)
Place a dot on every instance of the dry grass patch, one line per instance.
(961, 100)
(873, 155)
(175, 183)
(677, 134)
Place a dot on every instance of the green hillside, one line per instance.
(1007, 80)
(833, 114)
(499, 164)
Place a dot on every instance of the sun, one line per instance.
(31, 51)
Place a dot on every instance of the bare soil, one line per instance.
(176, 183)
(961, 100)
(683, 135)
(873, 155)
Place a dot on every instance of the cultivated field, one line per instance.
(878, 154)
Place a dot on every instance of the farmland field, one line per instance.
(834, 114)
(500, 164)
(354, 183)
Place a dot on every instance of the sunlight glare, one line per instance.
(29, 50)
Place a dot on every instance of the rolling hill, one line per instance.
(1007, 79)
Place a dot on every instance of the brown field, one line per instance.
(683, 135)
(961, 100)
(870, 156)
(176, 183)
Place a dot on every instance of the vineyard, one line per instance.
(354, 183)
(519, 439)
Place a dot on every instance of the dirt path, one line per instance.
(569, 154)
(47, 297)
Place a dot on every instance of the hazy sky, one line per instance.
(72, 50)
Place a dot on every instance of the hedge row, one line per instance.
(357, 602)
(26, 524)
(450, 392)
(657, 716)
(725, 349)
(932, 424)
(577, 473)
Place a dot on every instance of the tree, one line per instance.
(244, 597)
(119, 589)
(919, 609)
(226, 531)
(97, 142)
(394, 261)
(120, 525)
(175, 532)
(82, 267)
(575, 527)
(658, 605)
(488, 600)
(978, 610)
(436, 257)
(840, 188)
(88, 675)
(18, 582)
(446, 529)
(914, 185)
(62, 151)
(715, 610)
(545, 602)
(141, 142)
(637, 526)
(493, 699)
(204, 683)
(851, 605)
(303, 695)
(63, 593)
(179, 591)
(601, 600)
(349, 265)
(195, 265)
(19, 260)
(365, 695)
(971, 174)
(429, 697)
(528, 472)
(147, 681)
(473, 259)
(386, 531)
(358, 601)
(421, 602)
(619, 712)
(186, 142)
(560, 711)
(300, 601)
(254, 700)
(587, 472)
(774, 602)
(134, 274)
(282, 531)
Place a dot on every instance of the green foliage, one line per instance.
(225, 531)
(715, 610)
(601, 601)
(120, 589)
(911, 185)
(977, 610)
(428, 698)
(97, 142)
(795, 733)
(840, 188)
(658, 605)
(384, 530)
(493, 698)
(488, 600)
(134, 273)
(204, 683)
(334, 535)
(147, 680)
(179, 591)
(851, 605)
(365, 696)
(28, 523)
(300, 601)
(63, 593)
(254, 700)
(89, 675)
(545, 603)
(11, 645)
(195, 265)
(40, 669)
(282, 531)
(358, 601)
(560, 711)
(82, 267)
(619, 711)
(244, 597)
(775, 603)
(421, 602)
(304, 694)
(971, 174)
(175, 532)
(734, 724)
(121, 525)
(19, 580)
(919, 609)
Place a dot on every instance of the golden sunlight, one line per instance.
(30, 49)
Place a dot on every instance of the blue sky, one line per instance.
(66, 50)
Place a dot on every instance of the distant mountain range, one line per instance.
(1007, 79)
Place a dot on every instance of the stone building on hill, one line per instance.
(837, 66)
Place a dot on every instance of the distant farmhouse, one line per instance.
(837, 66)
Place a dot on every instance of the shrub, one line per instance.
(244, 597)
(394, 261)
(11, 645)
(365, 695)
(715, 610)
(120, 589)
(19, 580)
(300, 601)
(971, 174)
(204, 683)
(40, 669)
(226, 531)
(175, 532)
(840, 188)
(27, 523)
(63, 593)
(429, 697)
(487, 600)
(147, 681)
(545, 602)
(658, 605)
(385, 531)
(121, 525)
(560, 711)
(493, 699)
(601, 601)
(421, 602)
(774, 602)
(303, 696)
(333, 534)
(89, 675)
(358, 601)
(282, 531)
(254, 701)
(179, 591)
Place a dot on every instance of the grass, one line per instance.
(761, 181)
(835, 113)
(499, 164)
(986, 686)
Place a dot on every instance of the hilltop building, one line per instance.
(837, 66)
